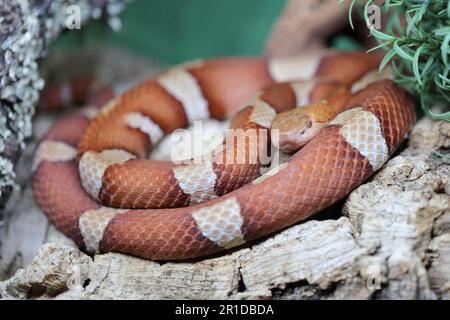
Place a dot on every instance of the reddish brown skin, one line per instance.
(335, 93)
(394, 120)
(280, 96)
(226, 83)
(324, 171)
(350, 63)
(321, 173)
(169, 193)
(109, 131)
(68, 129)
(82, 90)
(63, 203)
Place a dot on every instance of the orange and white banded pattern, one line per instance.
(93, 182)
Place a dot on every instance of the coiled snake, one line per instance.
(92, 181)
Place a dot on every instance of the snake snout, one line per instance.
(294, 130)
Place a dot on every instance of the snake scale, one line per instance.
(92, 180)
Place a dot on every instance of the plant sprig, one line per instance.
(418, 49)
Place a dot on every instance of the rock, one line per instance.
(302, 253)
(119, 276)
(55, 269)
(439, 271)
(391, 243)
(26, 30)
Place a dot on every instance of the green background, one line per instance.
(172, 31)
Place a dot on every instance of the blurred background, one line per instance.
(172, 31)
(150, 35)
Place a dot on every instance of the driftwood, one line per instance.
(26, 30)
(306, 24)
(391, 242)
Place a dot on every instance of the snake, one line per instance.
(330, 110)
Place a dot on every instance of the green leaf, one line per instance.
(386, 5)
(445, 94)
(445, 49)
(416, 65)
(382, 36)
(428, 64)
(441, 31)
(381, 45)
(417, 17)
(350, 10)
(401, 52)
(418, 50)
(387, 57)
(444, 78)
(444, 157)
(445, 84)
(448, 9)
(427, 110)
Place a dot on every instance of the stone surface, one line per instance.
(26, 30)
(392, 242)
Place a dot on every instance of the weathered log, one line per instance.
(306, 24)
(27, 28)
(391, 242)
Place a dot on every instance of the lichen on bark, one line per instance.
(27, 28)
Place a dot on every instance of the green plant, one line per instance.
(418, 49)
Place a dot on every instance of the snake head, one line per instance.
(297, 127)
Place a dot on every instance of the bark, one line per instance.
(391, 242)
(27, 28)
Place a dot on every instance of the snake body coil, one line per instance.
(89, 172)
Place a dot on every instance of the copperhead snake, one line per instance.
(91, 179)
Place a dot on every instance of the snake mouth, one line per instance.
(293, 140)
